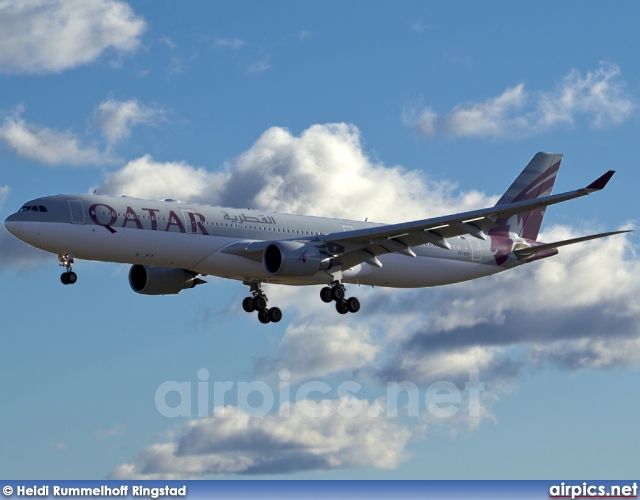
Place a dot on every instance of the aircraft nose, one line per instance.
(8, 223)
(11, 223)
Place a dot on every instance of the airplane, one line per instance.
(172, 245)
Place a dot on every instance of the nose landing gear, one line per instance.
(336, 292)
(66, 261)
(258, 302)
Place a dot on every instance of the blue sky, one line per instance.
(391, 111)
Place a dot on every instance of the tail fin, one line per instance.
(535, 181)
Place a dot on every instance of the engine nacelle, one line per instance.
(292, 258)
(151, 280)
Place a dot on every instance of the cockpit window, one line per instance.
(33, 208)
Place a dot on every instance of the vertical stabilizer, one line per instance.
(535, 181)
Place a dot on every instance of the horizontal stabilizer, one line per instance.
(529, 251)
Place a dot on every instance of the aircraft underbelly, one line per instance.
(399, 271)
(126, 245)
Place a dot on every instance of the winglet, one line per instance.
(601, 181)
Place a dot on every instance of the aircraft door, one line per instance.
(476, 249)
(77, 212)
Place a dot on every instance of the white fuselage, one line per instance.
(193, 237)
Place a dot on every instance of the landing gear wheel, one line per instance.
(338, 293)
(260, 303)
(325, 295)
(248, 304)
(353, 304)
(263, 316)
(69, 277)
(275, 314)
(341, 307)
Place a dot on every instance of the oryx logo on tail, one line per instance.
(535, 181)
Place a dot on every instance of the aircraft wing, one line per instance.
(363, 245)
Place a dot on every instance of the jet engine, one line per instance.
(151, 280)
(293, 258)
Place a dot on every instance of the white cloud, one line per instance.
(116, 118)
(600, 95)
(168, 42)
(50, 36)
(259, 66)
(148, 179)
(599, 98)
(275, 444)
(46, 145)
(176, 66)
(589, 353)
(597, 273)
(418, 26)
(324, 171)
(19, 256)
(442, 365)
(113, 432)
(489, 118)
(15, 254)
(229, 43)
(574, 310)
(315, 349)
(4, 192)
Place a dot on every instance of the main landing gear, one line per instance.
(258, 302)
(68, 277)
(336, 292)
